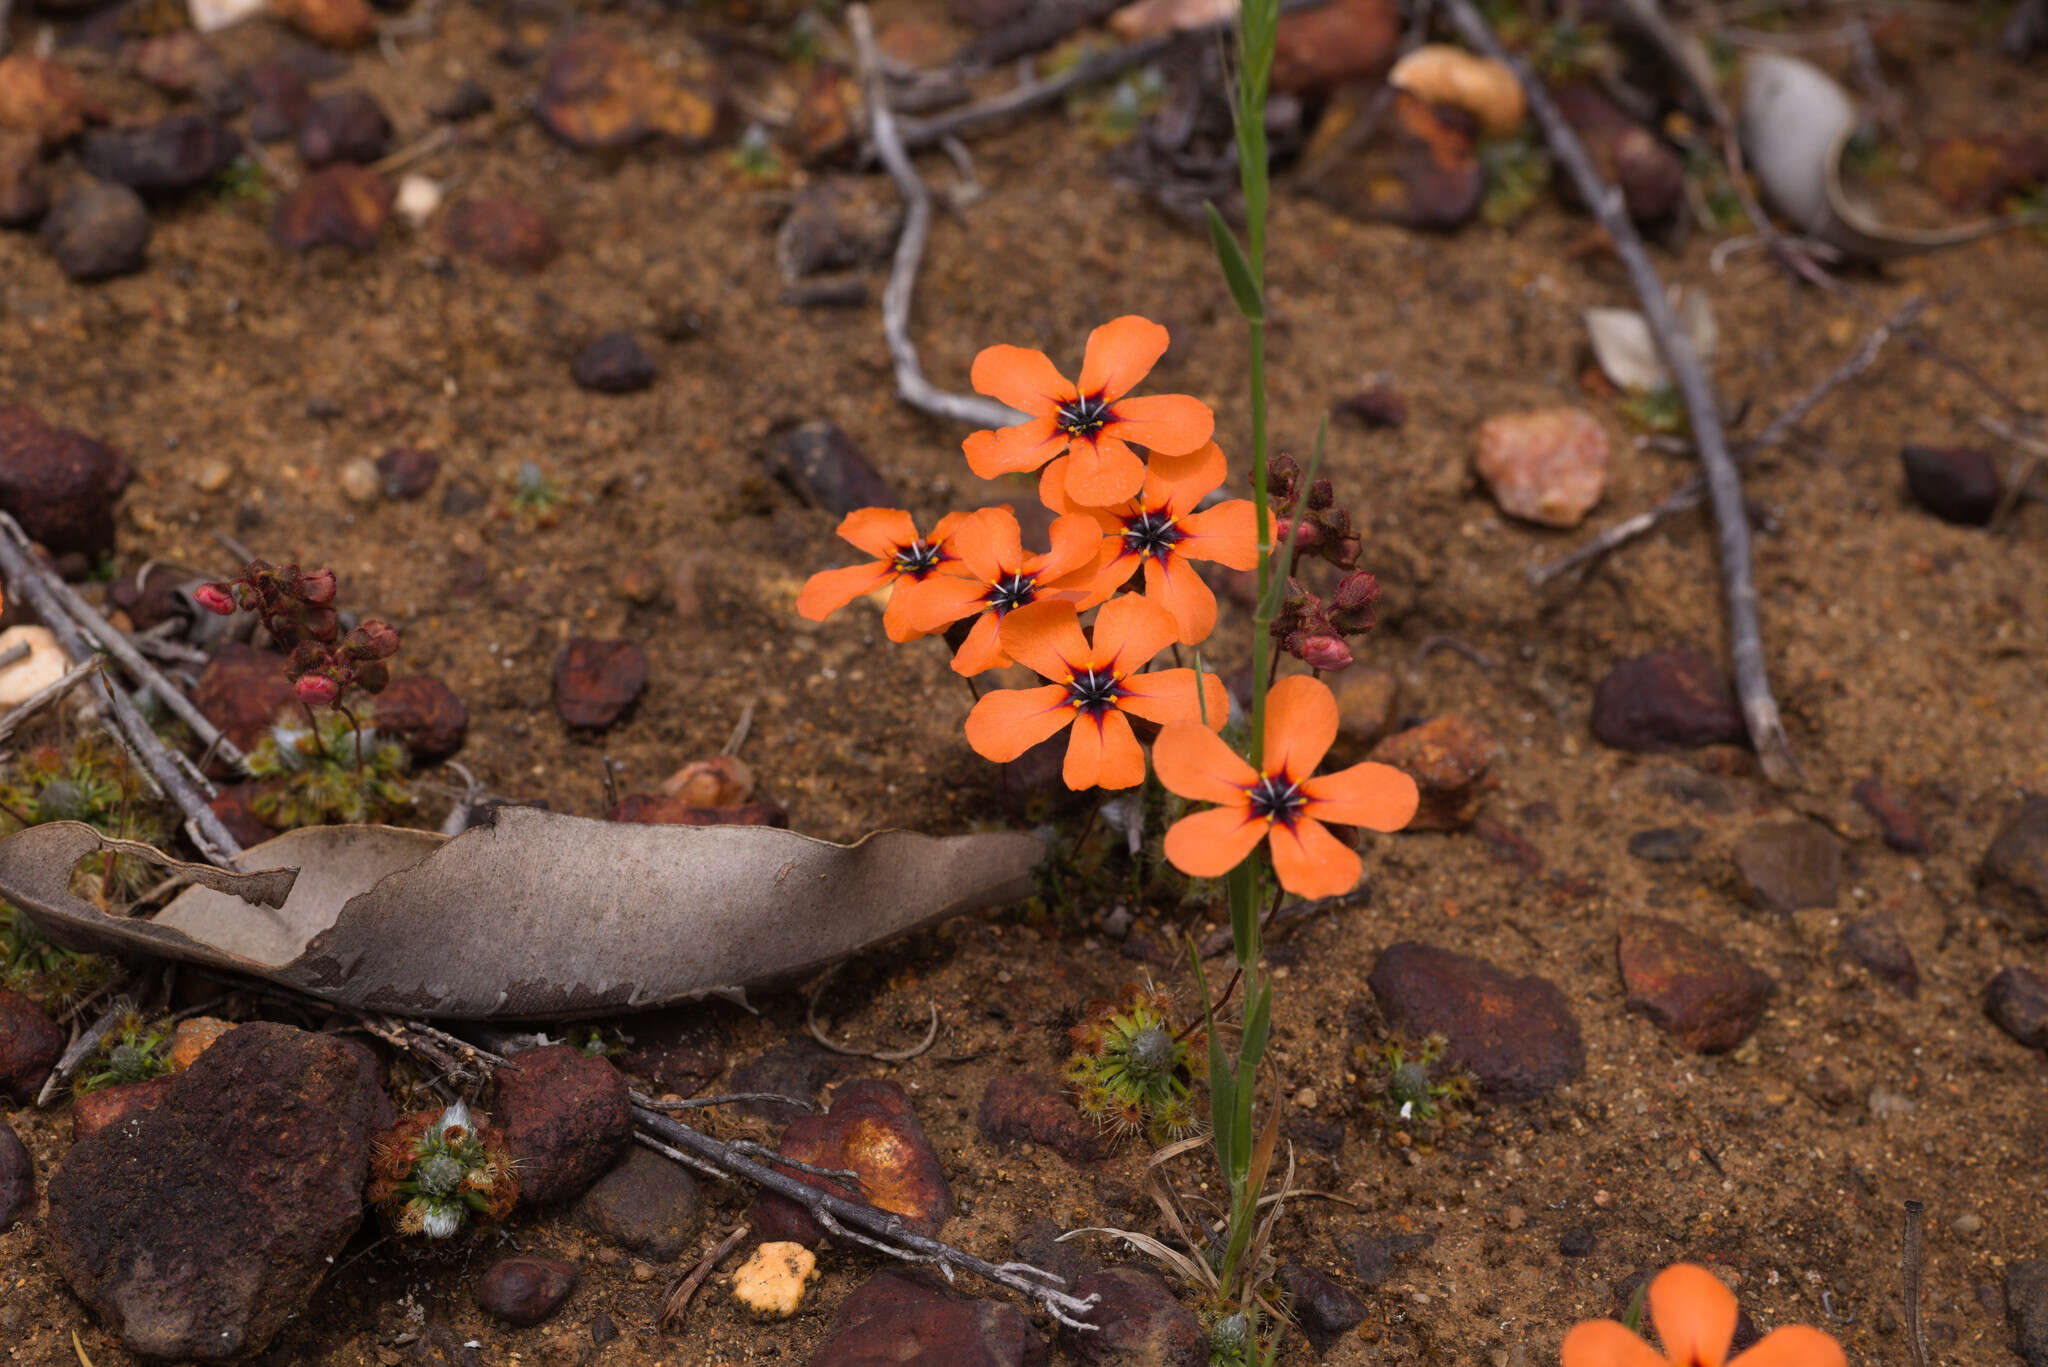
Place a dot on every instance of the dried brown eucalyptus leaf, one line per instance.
(538, 915)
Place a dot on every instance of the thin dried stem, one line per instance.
(677, 1305)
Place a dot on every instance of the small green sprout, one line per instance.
(755, 156)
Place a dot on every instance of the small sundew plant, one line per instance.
(331, 772)
(43, 971)
(136, 1052)
(1129, 1073)
(437, 1172)
(90, 780)
(535, 498)
(1409, 1091)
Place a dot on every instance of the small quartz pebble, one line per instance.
(361, 481)
(771, 1283)
(44, 665)
(211, 476)
(1546, 465)
(418, 197)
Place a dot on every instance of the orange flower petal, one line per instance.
(1008, 721)
(827, 591)
(934, 603)
(1301, 724)
(1046, 637)
(896, 623)
(1102, 752)
(1129, 631)
(1168, 695)
(1212, 843)
(1310, 862)
(1793, 1346)
(1052, 492)
(878, 531)
(1112, 571)
(1694, 1315)
(1120, 353)
(1227, 534)
(1193, 761)
(1176, 587)
(1026, 380)
(1076, 550)
(1102, 471)
(1013, 450)
(947, 525)
(982, 650)
(1179, 483)
(1170, 423)
(989, 544)
(1607, 1343)
(1378, 797)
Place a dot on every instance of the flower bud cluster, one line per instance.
(1307, 626)
(297, 608)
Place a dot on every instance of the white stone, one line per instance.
(211, 16)
(418, 197)
(25, 678)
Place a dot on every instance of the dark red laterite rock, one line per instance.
(1136, 1323)
(407, 471)
(97, 230)
(1958, 484)
(166, 157)
(871, 1129)
(1649, 173)
(1897, 815)
(424, 713)
(1691, 987)
(1514, 1035)
(647, 1205)
(501, 230)
(597, 681)
(1788, 865)
(1023, 1107)
(1319, 49)
(1324, 1308)
(242, 690)
(1381, 405)
(910, 1318)
(798, 1068)
(827, 469)
(1672, 699)
(343, 205)
(60, 485)
(24, 188)
(565, 1119)
(2017, 1000)
(30, 1043)
(348, 125)
(524, 1291)
(1451, 760)
(655, 809)
(94, 1111)
(2013, 875)
(195, 1230)
(615, 363)
(278, 99)
(1875, 942)
(17, 1178)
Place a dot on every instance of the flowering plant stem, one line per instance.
(1242, 1152)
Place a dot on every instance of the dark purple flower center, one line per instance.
(1012, 591)
(1093, 692)
(918, 559)
(1277, 798)
(1152, 533)
(1085, 416)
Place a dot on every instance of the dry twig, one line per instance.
(81, 1049)
(860, 1223)
(911, 383)
(1724, 484)
(879, 1055)
(679, 1297)
(1694, 492)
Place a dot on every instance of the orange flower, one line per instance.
(1160, 530)
(900, 555)
(995, 575)
(1092, 422)
(1092, 688)
(1695, 1319)
(1284, 802)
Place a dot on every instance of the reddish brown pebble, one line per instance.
(870, 1129)
(242, 690)
(601, 92)
(166, 157)
(501, 230)
(1451, 760)
(1438, 182)
(1649, 173)
(1330, 45)
(1516, 1036)
(596, 681)
(615, 363)
(40, 97)
(425, 714)
(1788, 865)
(94, 1111)
(24, 188)
(827, 469)
(1896, 814)
(1876, 942)
(2017, 1000)
(97, 230)
(1666, 700)
(29, 1045)
(1020, 1107)
(1135, 1320)
(60, 485)
(337, 23)
(910, 1318)
(343, 205)
(279, 98)
(407, 471)
(564, 1117)
(1379, 406)
(1958, 484)
(1547, 465)
(17, 1178)
(1692, 988)
(652, 809)
(2014, 872)
(348, 125)
(524, 1291)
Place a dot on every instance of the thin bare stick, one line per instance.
(911, 383)
(117, 645)
(722, 1099)
(208, 834)
(878, 1229)
(43, 697)
(1692, 493)
(1724, 483)
(679, 1297)
(879, 1055)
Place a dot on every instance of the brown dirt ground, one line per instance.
(1899, 645)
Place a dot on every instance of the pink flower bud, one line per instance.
(214, 598)
(1356, 590)
(373, 640)
(317, 690)
(1324, 653)
(317, 587)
